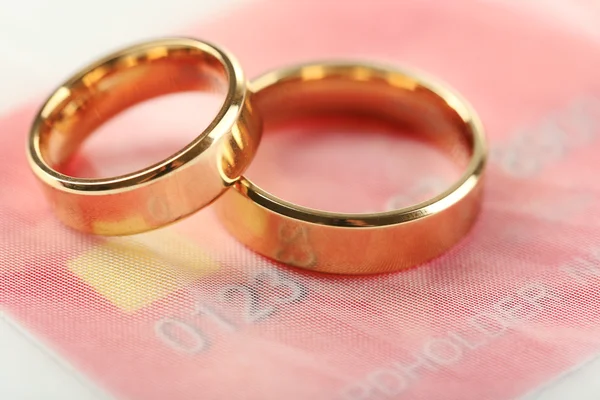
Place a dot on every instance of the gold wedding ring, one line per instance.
(168, 190)
(362, 243)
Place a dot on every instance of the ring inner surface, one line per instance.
(82, 105)
(371, 93)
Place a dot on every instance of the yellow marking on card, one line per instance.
(133, 272)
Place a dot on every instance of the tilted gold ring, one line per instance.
(170, 189)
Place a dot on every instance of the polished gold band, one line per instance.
(166, 191)
(362, 243)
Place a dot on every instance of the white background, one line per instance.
(41, 41)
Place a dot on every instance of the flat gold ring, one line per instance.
(362, 243)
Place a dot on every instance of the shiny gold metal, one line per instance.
(168, 190)
(362, 243)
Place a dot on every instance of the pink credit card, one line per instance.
(186, 312)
